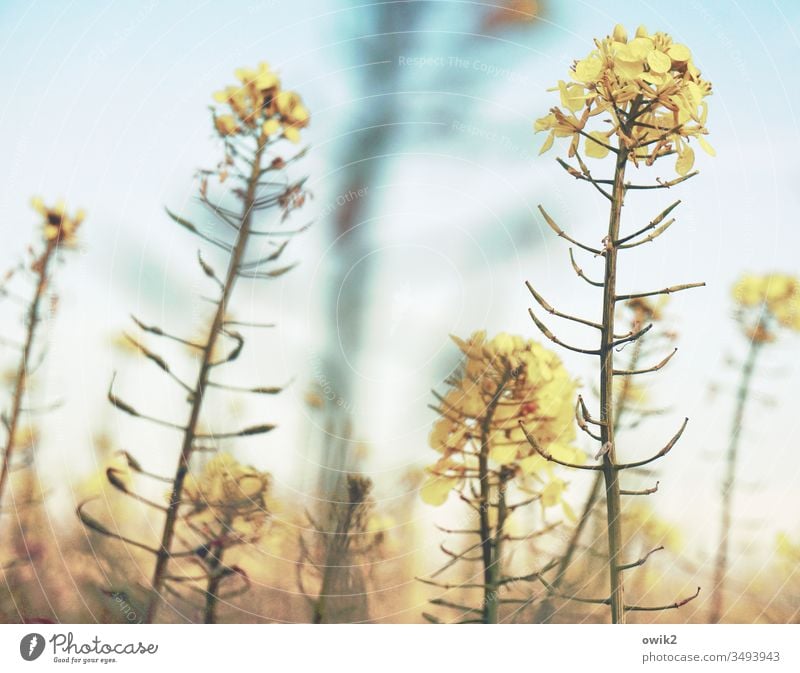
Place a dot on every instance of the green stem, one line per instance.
(168, 532)
(610, 473)
(546, 609)
(729, 482)
(490, 543)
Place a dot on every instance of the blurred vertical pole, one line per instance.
(362, 160)
(385, 33)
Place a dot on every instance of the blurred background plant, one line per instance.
(22, 524)
(258, 115)
(505, 384)
(764, 306)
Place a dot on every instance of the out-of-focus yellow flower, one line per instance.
(775, 299)
(59, 226)
(651, 92)
(228, 495)
(504, 381)
(646, 309)
(788, 550)
(226, 125)
(259, 106)
(642, 521)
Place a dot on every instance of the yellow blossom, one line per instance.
(228, 495)
(774, 299)
(226, 125)
(646, 91)
(504, 381)
(259, 106)
(59, 227)
(642, 521)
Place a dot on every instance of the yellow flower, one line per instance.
(642, 521)
(749, 290)
(227, 495)
(59, 227)
(258, 105)
(649, 91)
(226, 125)
(270, 126)
(775, 299)
(504, 381)
(262, 78)
(291, 134)
(787, 549)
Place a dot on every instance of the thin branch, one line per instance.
(649, 237)
(160, 362)
(659, 608)
(97, 527)
(586, 415)
(193, 229)
(585, 175)
(560, 232)
(645, 491)
(544, 330)
(252, 430)
(663, 452)
(666, 290)
(663, 184)
(654, 368)
(569, 597)
(454, 606)
(580, 273)
(547, 307)
(651, 225)
(153, 329)
(642, 560)
(128, 409)
(257, 390)
(547, 456)
(631, 337)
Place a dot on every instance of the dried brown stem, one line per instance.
(23, 368)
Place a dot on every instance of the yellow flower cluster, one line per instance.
(59, 227)
(504, 381)
(642, 521)
(259, 105)
(228, 496)
(787, 550)
(650, 89)
(777, 298)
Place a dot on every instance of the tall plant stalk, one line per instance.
(644, 126)
(546, 609)
(729, 482)
(260, 115)
(201, 386)
(487, 461)
(607, 345)
(492, 495)
(59, 232)
(763, 305)
(21, 377)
